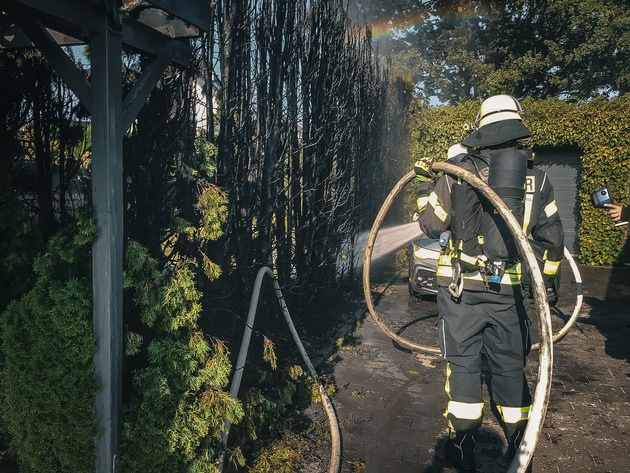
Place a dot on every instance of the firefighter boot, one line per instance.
(460, 451)
(514, 441)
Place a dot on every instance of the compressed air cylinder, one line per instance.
(508, 171)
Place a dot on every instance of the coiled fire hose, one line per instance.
(578, 304)
(335, 454)
(414, 346)
(545, 367)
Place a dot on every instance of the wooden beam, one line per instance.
(166, 24)
(138, 95)
(59, 60)
(13, 37)
(195, 12)
(72, 17)
(146, 39)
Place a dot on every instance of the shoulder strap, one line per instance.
(475, 163)
(467, 213)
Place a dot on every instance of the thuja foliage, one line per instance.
(47, 379)
(175, 416)
(600, 129)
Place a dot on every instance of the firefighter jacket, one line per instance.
(542, 225)
(468, 262)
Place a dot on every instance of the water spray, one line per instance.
(367, 260)
(543, 387)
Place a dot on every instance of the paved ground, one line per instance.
(390, 400)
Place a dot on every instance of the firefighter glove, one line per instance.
(552, 291)
(423, 170)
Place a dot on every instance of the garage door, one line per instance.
(563, 168)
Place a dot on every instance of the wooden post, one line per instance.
(107, 254)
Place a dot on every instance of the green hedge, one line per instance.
(600, 129)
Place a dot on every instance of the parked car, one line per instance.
(423, 256)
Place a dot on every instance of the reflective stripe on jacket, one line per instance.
(542, 222)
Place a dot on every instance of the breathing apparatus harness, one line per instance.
(478, 239)
(492, 272)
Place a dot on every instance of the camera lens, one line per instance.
(604, 192)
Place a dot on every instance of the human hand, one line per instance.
(614, 211)
(423, 170)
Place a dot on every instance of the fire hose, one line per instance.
(414, 346)
(543, 387)
(335, 454)
(578, 304)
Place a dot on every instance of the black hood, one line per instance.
(497, 133)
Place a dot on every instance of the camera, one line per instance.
(601, 196)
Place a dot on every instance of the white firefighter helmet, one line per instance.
(498, 108)
(498, 122)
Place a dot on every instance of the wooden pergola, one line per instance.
(159, 30)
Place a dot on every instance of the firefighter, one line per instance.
(481, 298)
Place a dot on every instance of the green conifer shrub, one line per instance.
(174, 417)
(47, 379)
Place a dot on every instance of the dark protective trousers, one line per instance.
(492, 323)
